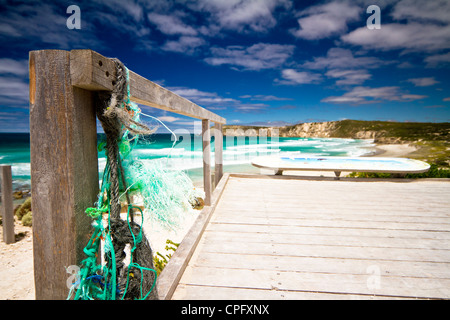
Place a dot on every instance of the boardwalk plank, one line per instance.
(304, 239)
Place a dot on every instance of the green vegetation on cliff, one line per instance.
(384, 131)
(405, 131)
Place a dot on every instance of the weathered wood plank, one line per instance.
(317, 282)
(7, 204)
(304, 237)
(206, 147)
(64, 170)
(92, 71)
(335, 223)
(322, 265)
(225, 293)
(218, 152)
(341, 240)
(343, 215)
(289, 230)
(330, 251)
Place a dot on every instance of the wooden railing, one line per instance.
(63, 147)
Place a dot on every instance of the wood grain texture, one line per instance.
(7, 204)
(306, 239)
(92, 71)
(218, 152)
(206, 147)
(64, 170)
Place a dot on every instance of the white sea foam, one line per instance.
(161, 152)
(182, 158)
(21, 169)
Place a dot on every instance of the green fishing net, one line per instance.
(149, 191)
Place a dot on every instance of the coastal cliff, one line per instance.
(380, 131)
(432, 140)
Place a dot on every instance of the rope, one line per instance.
(166, 195)
(115, 280)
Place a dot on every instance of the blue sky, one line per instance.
(262, 62)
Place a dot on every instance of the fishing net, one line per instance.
(150, 190)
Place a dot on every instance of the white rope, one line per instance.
(173, 134)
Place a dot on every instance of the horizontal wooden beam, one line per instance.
(92, 71)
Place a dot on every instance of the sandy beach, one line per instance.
(16, 266)
(16, 260)
(393, 150)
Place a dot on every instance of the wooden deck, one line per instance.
(284, 238)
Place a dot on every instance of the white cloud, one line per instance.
(339, 58)
(344, 66)
(240, 15)
(41, 23)
(323, 21)
(438, 60)
(256, 57)
(412, 37)
(14, 91)
(129, 8)
(349, 77)
(294, 77)
(423, 82)
(430, 10)
(14, 67)
(269, 123)
(251, 107)
(201, 97)
(171, 24)
(446, 99)
(169, 119)
(184, 44)
(31, 23)
(213, 101)
(261, 97)
(364, 95)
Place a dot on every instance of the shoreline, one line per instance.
(379, 150)
(392, 150)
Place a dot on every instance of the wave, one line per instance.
(239, 152)
(161, 152)
(21, 169)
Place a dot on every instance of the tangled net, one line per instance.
(164, 194)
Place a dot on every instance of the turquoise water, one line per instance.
(187, 153)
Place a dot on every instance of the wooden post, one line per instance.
(218, 152)
(64, 170)
(7, 205)
(206, 134)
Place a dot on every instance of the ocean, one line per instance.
(187, 152)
